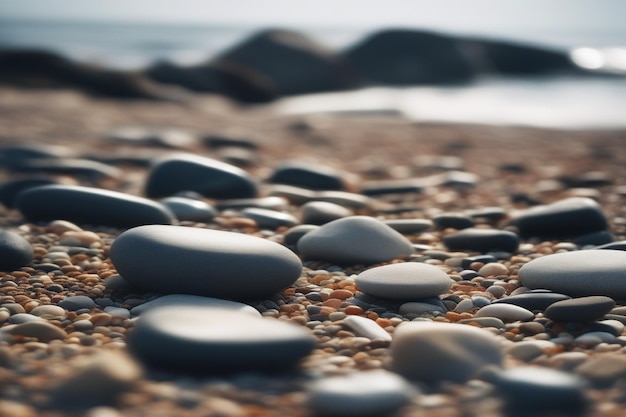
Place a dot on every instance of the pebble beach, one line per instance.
(205, 258)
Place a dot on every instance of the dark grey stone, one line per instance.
(213, 340)
(537, 300)
(482, 240)
(77, 302)
(213, 263)
(209, 177)
(453, 220)
(580, 309)
(322, 212)
(409, 226)
(307, 175)
(189, 209)
(269, 219)
(9, 191)
(85, 205)
(293, 235)
(564, 219)
(15, 251)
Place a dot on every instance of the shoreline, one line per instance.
(546, 165)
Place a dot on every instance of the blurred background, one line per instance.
(166, 40)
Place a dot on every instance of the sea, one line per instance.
(551, 102)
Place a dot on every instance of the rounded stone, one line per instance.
(307, 175)
(371, 393)
(409, 226)
(9, 191)
(269, 219)
(188, 209)
(505, 312)
(209, 177)
(48, 311)
(580, 309)
(404, 281)
(535, 300)
(482, 240)
(433, 351)
(563, 219)
(417, 307)
(86, 205)
(210, 340)
(354, 240)
(322, 212)
(579, 273)
(40, 330)
(293, 235)
(77, 302)
(536, 388)
(213, 263)
(15, 251)
(193, 300)
(365, 327)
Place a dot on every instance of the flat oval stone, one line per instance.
(15, 251)
(322, 212)
(269, 219)
(433, 351)
(354, 240)
(307, 175)
(206, 339)
(90, 206)
(293, 235)
(213, 263)
(40, 330)
(579, 273)
(365, 327)
(48, 311)
(484, 322)
(541, 389)
(580, 309)
(409, 226)
(535, 300)
(209, 177)
(417, 307)
(189, 209)
(194, 300)
(77, 302)
(404, 281)
(505, 312)
(371, 393)
(482, 240)
(453, 220)
(564, 219)
(85, 168)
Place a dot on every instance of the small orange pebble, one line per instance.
(318, 278)
(372, 315)
(340, 294)
(441, 319)
(332, 302)
(301, 320)
(289, 308)
(452, 316)
(30, 305)
(353, 310)
(467, 316)
(345, 283)
(383, 322)
(344, 333)
(289, 292)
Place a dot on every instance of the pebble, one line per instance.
(580, 309)
(293, 235)
(40, 330)
(78, 168)
(535, 300)
(364, 327)
(307, 175)
(209, 177)
(482, 240)
(213, 263)
(492, 269)
(48, 311)
(563, 219)
(269, 219)
(432, 351)
(210, 340)
(99, 381)
(322, 212)
(505, 312)
(578, 273)
(26, 317)
(416, 307)
(370, 393)
(77, 302)
(15, 251)
(603, 370)
(87, 205)
(354, 240)
(270, 203)
(410, 226)
(484, 322)
(404, 281)
(188, 209)
(541, 390)
(527, 350)
(457, 221)
(193, 300)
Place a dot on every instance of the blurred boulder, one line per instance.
(40, 69)
(291, 62)
(409, 57)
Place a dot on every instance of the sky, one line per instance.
(460, 14)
